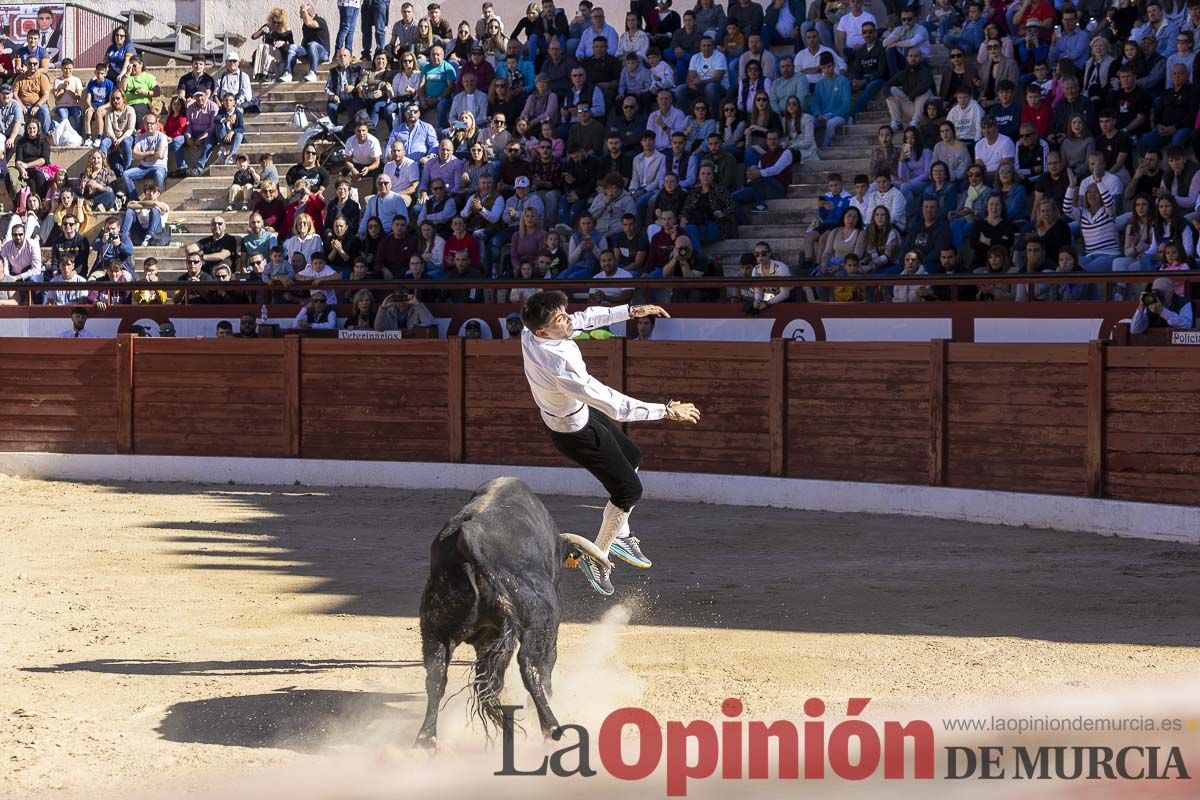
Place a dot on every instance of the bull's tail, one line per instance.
(492, 655)
(491, 662)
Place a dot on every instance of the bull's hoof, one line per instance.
(426, 741)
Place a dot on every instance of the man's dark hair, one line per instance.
(224, 325)
(860, 178)
(1035, 240)
(1006, 84)
(540, 307)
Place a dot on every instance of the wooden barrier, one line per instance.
(59, 395)
(1062, 419)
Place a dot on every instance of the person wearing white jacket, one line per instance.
(891, 198)
(579, 413)
(967, 118)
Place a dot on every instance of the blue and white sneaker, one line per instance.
(628, 549)
(596, 575)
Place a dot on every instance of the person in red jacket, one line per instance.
(1036, 111)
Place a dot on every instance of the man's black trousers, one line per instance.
(603, 450)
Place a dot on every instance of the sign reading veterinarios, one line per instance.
(17, 19)
(343, 334)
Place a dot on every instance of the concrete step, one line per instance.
(284, 160)
(813, 171)
(771, 233)
(794, 220)
(736, 247)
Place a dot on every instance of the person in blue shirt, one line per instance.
(829, 213)
(971, 36)
(1159, 27)
(118, 55)
(419, 138)
(1030, 50)
(1006, 110)
(96, 95)
(33, 47)
(437, 88)
(1072, 42)
(830, 99)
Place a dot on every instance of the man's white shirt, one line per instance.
(561, 385)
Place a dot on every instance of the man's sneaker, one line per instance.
(310, 77)
(760, 207)
(286, 78)
(596, 575)
(229, 160)
(629, 550)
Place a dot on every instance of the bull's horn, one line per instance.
(587, 546)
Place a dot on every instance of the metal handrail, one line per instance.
(963, 279)
(99, 13)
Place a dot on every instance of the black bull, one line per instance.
(493, 583)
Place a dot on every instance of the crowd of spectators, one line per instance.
(1057, 137)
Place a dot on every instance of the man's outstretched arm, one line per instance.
(600, 316)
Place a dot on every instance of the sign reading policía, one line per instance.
(1185, 337)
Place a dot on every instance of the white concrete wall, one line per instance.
(1106, 517)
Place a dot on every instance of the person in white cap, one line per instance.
(232, 80)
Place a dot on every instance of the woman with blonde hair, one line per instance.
(95, 182)
(464, 135)
(362, 312)
(304, 238)
(274, 57)
(425, 40)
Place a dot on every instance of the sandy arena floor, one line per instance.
(158, 635)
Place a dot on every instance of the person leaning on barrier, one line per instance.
(403, 311)
(1162, 307)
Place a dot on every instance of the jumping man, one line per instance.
(579, 411)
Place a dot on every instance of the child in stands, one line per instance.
(97, 92)
(245, 179)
